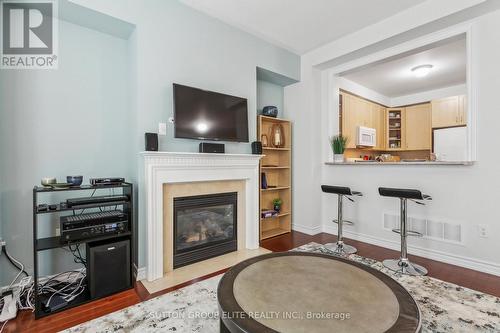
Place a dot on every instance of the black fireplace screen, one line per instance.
(204, 227)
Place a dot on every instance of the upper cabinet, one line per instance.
(356, 112)
(406, 128)
(448, 112)
(418, 133)
(378, 119)
(395, 126)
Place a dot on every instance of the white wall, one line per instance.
(363, 91)
(270, 94)
(429, 95)
(462, 194)
(421, 97)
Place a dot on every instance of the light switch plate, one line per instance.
(162, 129)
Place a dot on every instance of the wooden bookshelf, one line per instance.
(276, 164)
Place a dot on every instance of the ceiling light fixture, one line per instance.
(422, 70)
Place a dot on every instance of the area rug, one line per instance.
(445, 307)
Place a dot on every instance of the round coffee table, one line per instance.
(309, 292)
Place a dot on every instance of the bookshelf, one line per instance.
(277, 166)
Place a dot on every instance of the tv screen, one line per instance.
(206, 115)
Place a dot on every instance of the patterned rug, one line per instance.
(445, 307)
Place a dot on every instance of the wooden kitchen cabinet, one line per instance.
(356, 112)
(395, 128)
(378, 117)
(349, 120)
(450, 111)
(462, 110)
(418, 132)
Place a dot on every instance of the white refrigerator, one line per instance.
(450, 144)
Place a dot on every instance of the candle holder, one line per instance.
(277, 136)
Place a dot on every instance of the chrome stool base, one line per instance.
(341, 248)
(404, 267)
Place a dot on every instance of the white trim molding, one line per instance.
(159, 168)
(141, 273)
(453, 259)
(306, 229)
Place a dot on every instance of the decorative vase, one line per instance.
(277, 136)
(264, 140)
(338, 158)
(277, 208)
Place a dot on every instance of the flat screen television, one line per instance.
(207, 115)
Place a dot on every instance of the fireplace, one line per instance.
(204, 227)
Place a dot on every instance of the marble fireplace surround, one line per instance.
(159, 170)
(177, 190)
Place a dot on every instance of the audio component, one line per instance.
(75, 202)
(217, 148)
(151, 141)
(257, 148)
(84, 226)
(106, 181)
(108, 267)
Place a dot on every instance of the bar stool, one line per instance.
(340, 247)
(403, 264)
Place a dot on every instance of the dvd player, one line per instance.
(106, 181)
(75, 202)
(85, 226)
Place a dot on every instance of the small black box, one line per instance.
(206, 147)
(257, 148)
(151, 141)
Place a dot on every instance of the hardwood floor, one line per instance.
(25, 321)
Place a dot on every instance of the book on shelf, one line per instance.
(265, 213)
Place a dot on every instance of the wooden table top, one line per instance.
(309, 292)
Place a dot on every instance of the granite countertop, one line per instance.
(405, 163)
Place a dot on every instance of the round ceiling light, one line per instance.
(422, 70)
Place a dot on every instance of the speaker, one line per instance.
(257, 148)
(108, 267)
(151, 141)
(206, 147)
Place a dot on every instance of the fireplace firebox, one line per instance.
(204, 227)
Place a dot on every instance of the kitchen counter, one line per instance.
(404, 163)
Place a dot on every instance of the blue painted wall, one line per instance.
(74, 120)
(58, 122)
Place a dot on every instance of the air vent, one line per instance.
(430, 229)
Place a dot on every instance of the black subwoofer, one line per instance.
(108, 267)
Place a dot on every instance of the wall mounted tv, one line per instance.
(206, 115)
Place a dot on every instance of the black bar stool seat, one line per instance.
(403, 264)
(403, 193)
(340, 247)
(339, 190)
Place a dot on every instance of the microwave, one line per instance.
(366, 136)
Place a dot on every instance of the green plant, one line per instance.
(338, 143)
(277, 202)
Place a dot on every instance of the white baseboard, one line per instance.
(453, 259)
(306, 229)
(141, 273)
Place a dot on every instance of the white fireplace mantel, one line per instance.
(159, 168)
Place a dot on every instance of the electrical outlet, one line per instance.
(482, 229)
